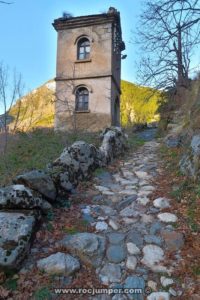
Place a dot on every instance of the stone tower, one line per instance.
(88, 71)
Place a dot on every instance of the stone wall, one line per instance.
(33, 193)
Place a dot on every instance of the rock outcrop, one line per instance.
(190, 162)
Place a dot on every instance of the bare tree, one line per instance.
(168, 34)
(10, 90)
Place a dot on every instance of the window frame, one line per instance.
(82, 49)
(82, 99)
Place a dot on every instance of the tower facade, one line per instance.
(88, 71)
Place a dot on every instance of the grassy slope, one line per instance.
(34, 150)
(138, 104)
(37, 108)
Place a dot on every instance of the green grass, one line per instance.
(34, 150)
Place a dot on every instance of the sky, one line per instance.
(28, 39)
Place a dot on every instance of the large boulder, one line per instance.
(75, 163)
(190, 162)
(113, 144)
(20, 197)
(40, 182)
(89, 247)
(16, 230)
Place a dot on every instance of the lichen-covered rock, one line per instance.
(89, 247)
(75, 163)
(16, 229)
(114, 143)
(190, 162)
(59, 263)
(38, 181)
(20, 197)
(81, 159)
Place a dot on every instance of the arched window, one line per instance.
(82, 99)
(83, 49)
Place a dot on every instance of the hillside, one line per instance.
(138, 105)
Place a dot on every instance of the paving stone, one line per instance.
(103, 210)
(127, 192)
(161, 203)
(143, 182)
(132, 249)
(174, 240)
(147, 188)
(89, 247)
(116, 237)
(167, 217)
(141, 271)
(128, 182)
(142, 175)
(136, 238)
(135, 282)
(143, 200)
(119, 297)
(101, 188)
(110, 273)
(152, 239)
(159, 296)
(108, 193)
(152, 254)
(147, 218)
(131, 262)
(155, 228)
(154, 210)
(100, 297)
(129, 212)
(129, 221)
(116, 253)
(108, 211)
(114, 225)
(126, 202)
(101, 226)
